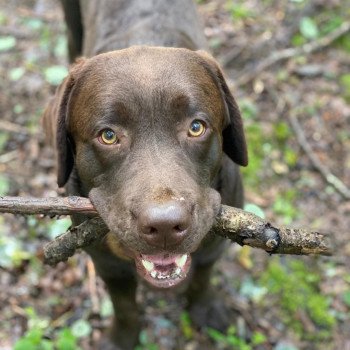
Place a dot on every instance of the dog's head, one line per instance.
(145, 129)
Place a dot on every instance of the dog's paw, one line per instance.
(123, 341)
(106, 344)
(211, 313)
(121, 335)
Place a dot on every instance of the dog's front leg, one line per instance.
(206, 304)
(120, 279)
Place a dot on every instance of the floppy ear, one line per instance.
(234, 144)
(55, 124)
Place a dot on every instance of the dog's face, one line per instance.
(145, 129)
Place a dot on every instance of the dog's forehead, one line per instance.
(144, 78)
(148, 69)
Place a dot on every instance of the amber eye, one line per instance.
(197, 128)
(108, 137)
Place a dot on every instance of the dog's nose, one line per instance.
(164, 225)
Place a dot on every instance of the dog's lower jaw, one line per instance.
(163, 270)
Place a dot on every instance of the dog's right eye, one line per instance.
(108, 137)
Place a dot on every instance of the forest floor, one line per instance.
(295, 110)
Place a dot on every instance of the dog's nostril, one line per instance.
(178, 228)
(164, 224)
(152, 230)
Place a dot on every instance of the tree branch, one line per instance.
(47, 206)
(235, 224)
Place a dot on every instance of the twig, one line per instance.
(239, 226)
(18, 33)
(46, 206)
(65, 245)
(248, 229)
(8, 157)
(12, 127)
(324, 171)
(286, 104)
(92, 286)
(281, 55)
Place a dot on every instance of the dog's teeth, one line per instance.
(181, 261)
(178, 271)
(154, 274)
(148, 265)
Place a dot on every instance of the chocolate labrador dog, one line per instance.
(152, 135)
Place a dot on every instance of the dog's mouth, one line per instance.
(163, 270)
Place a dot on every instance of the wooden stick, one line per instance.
(47, 206)
(235, 224)
(248, 229)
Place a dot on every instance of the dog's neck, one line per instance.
(148, 22)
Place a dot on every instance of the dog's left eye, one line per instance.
(196, 129)
(108, 137)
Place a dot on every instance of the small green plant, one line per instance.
(7, 43)
(232, 341)
(55, 74)
(12, 252)
(239, 11)
(256, 138)
(186, 326)
(145, 343)
(284, 205)
(36, 337)
(345, 83)
(308, 28)
(297, 289)
(4, 185)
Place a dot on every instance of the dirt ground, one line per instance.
(295, 110)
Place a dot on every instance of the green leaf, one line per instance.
(46, 345)
(55, 74)
(4, 185)
(185, 324)
(18, 108)
(25, 344)
(308, 28)
(3, 18)
(32, 340)
(4, 136)
(239, 11)
(7, 43)
(59, 226)
(252, 208)
(66, 340)
(281, 130)
(81, 328)
(60, 49)
(249, 109)
(216, 335)
(346, 298)
(106, 308)
(16, 73)
(258, 338)
(345, 82)
(33, 23)
(252, 290)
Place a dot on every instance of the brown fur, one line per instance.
(149, 95)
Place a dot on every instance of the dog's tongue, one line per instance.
(163, 270)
